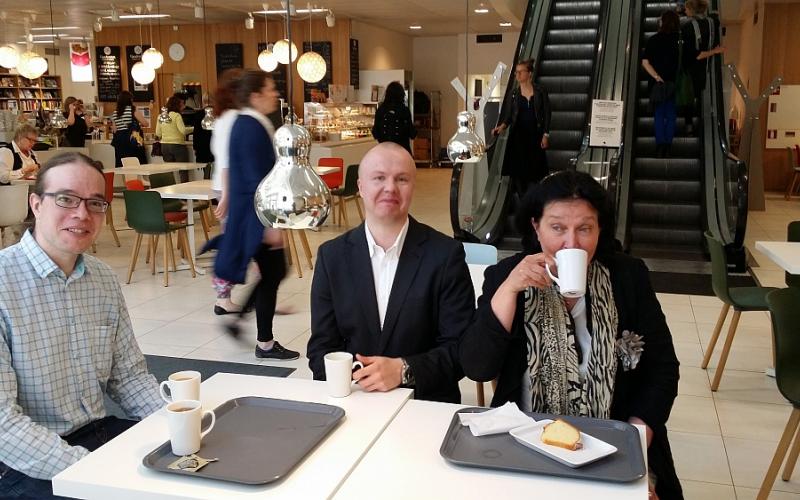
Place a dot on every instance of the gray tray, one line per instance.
(257, 440)
(502, 452)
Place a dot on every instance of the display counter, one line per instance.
(350, 151)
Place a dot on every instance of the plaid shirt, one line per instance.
(64, 341)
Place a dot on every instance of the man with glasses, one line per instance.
(17, 159)
(65, 336)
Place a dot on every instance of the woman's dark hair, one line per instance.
(63, 159)
(563, 186)
(124, 99)
(251, 80)
(224, 97)
(528, 63)
(174, 104)
(395, 95)
(670, 22)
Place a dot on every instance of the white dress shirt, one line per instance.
(7, 163)
(384, 266)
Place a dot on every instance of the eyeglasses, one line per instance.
(33, 139)
(65, 200)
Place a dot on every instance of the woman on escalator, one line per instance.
(528, 116)
(661, 63)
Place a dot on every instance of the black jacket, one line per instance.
(541, 106)
(488, 351)
(394, 124)
(430, 305)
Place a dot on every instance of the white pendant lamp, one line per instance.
(311, 66)
(31, 65)
(266, 58)
(153, 58)
(9, 56)
(142, 73)
(466, 146)
(281, 51)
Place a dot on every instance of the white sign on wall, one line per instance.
(783, 117)
(606, 128)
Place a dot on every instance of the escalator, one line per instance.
(564, 37)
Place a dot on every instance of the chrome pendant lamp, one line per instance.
(163, 116)
(292, 195)
(466, 146)
(207, 123)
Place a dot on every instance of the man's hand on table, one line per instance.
(379, 373)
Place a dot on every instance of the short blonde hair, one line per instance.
(24, 130)
(698, 6)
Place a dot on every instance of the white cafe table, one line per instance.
(158, 168)
(405, 463)
(784, 253)
(115, 470)
(189, 191)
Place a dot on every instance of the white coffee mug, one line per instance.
(181, 385)
(339, 368)
(184, 419)
(571, 264)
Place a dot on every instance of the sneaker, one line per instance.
(277, 352)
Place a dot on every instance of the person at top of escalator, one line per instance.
(660, 61)
(701, 35)
(527, 115)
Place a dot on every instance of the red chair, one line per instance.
(334, 180)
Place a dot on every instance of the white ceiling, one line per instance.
(437, 17)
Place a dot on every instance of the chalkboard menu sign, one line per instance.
(354, 63)
(141, 93)
(109, 73)
(279, 75)
(229, 56)
(324, 49)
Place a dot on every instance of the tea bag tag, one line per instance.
(191, 463)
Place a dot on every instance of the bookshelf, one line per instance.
(20, 93)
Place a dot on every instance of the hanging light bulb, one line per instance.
(207, 123)
(31, 65)
(163, 116)
(281, 51)
(292, 196)
(98, 25)
(311, 67)
(153, 58)
(9, 56)
(249, 22)
(465, 146)
(267, 60)
(142, 73)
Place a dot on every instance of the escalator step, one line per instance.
(556, 36)
(569, 51)
(682, 147)
(559, 159)
(574, 22)
(573, 8)
(650, 25)
(667, 235)
(655, 9)
(565, 139)
(562, 67)
(644, 125)
(568, 120)
(672, 191)
(667, 169)
(568, 102)
(564, 84)
(662, 214)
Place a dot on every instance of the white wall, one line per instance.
(379, 48)
(87, 91)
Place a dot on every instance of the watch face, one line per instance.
(176, 52)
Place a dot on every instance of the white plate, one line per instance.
(593, 449)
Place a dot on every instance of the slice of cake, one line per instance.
(561, 434)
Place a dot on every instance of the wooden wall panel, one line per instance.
(199, 41)
(780, 57)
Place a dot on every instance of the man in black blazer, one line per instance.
(394, 292)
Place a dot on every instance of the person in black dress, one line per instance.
(393, 119)
(75, 133)
(527, 115)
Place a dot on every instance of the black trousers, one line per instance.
(91, 436)
(264, 297)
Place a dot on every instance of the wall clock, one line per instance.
(177, 52)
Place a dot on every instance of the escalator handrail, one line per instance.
(459, 233)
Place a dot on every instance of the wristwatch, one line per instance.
(406, 375)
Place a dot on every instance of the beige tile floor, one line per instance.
(722, 442)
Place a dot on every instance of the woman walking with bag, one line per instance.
(661, 61)
(128, 123)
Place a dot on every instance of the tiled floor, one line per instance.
(722, 442)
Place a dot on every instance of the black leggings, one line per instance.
(91, 436)
(272, 266)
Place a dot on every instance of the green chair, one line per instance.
(743, 299)
(784, 304)
(146, 217)
(168, 179)
(793, 234)
(348, 192)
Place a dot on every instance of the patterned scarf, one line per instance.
(553, 381)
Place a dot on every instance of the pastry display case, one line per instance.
(331, 122)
